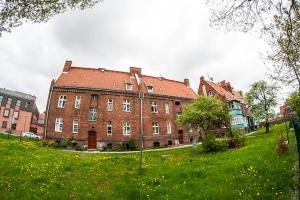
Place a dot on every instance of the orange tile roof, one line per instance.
(115, 80)
(227, 94)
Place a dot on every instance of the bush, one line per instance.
(282, 146)
(237, 139)
(78, 147)
(129, 145)
(210, 144)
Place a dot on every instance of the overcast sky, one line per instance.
(171, 38)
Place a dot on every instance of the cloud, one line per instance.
(170, 38)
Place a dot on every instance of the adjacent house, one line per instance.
(225, 92)
(18, 112)
(105, 108)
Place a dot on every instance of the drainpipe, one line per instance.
(47, 110)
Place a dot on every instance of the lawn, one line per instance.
(30, 171)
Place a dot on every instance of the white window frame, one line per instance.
(155, 128)
(150, 88)
(75, 126)
(169, 128)
(16, 115)
(61, 101)
(126, 105)
(167, 108)
(128, 86)
(109, 126)
(18, 103)
(59, 124)
(110, 105)
(77, 102)
(154, 107)
(6, 112)
(93, 114)
(126, 128)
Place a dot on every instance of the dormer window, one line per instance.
(128, 86)
(150, 88)
(94, 97)
(210, 93)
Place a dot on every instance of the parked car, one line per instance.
(31, 135)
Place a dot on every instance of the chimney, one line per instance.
(67, 66)
(135, 70)
(201, 78)
(226, 86)
(187, 82)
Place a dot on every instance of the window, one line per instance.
(155, 128)
(126, 128)
(110, 105)
(167, 108)
(9, 100)
(18, 104)
(190, 128)
(58, 124)
(6, 112)
(210, 93)
(109, 128)
(177, 103)
(4, 124)
(95, 97)
(1, 99)
(93, 114)
(150, 88)
(75, 125)
(13, 126)
(77, 101)
(16, 115)
(169, 130)
(61, 101)
(27, 104)
(128, 86)
(126, 105)
(154, 107)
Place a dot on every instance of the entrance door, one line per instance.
(180, 136)
(92, 140)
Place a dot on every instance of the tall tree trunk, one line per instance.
(267, 125)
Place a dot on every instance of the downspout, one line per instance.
(47, 110)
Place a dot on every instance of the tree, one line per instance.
(261, 99)
(206, 113)
(14, 12)
(294, 103)
(279, 21)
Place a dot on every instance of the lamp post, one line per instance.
(141, 97)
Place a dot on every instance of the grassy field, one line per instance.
(30, 171)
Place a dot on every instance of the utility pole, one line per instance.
(141, 97)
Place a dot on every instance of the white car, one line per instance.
(31, 135)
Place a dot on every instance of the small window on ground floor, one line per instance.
(4, 124)
(109, 146)
(156, 144)
(170, 142)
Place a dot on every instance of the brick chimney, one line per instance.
(67, 66)
(226, 86)
(187, 82)
(201, 78)
(135, 70)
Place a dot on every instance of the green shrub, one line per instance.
(78, 147)
(129, 145)
(210, 144)
(237, 139)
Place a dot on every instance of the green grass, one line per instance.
(30, 171)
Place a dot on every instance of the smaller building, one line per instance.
(18, 112)
(224, 91)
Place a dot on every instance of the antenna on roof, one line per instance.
(210, 78)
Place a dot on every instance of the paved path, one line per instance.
(147, 150)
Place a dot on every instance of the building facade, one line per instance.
(236, 103)
(106, 108)
(18, 112)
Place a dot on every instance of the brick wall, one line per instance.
(117, 117)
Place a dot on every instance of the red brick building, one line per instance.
(101, 107)
(18, 112)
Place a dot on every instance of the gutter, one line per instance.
(47, 110)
